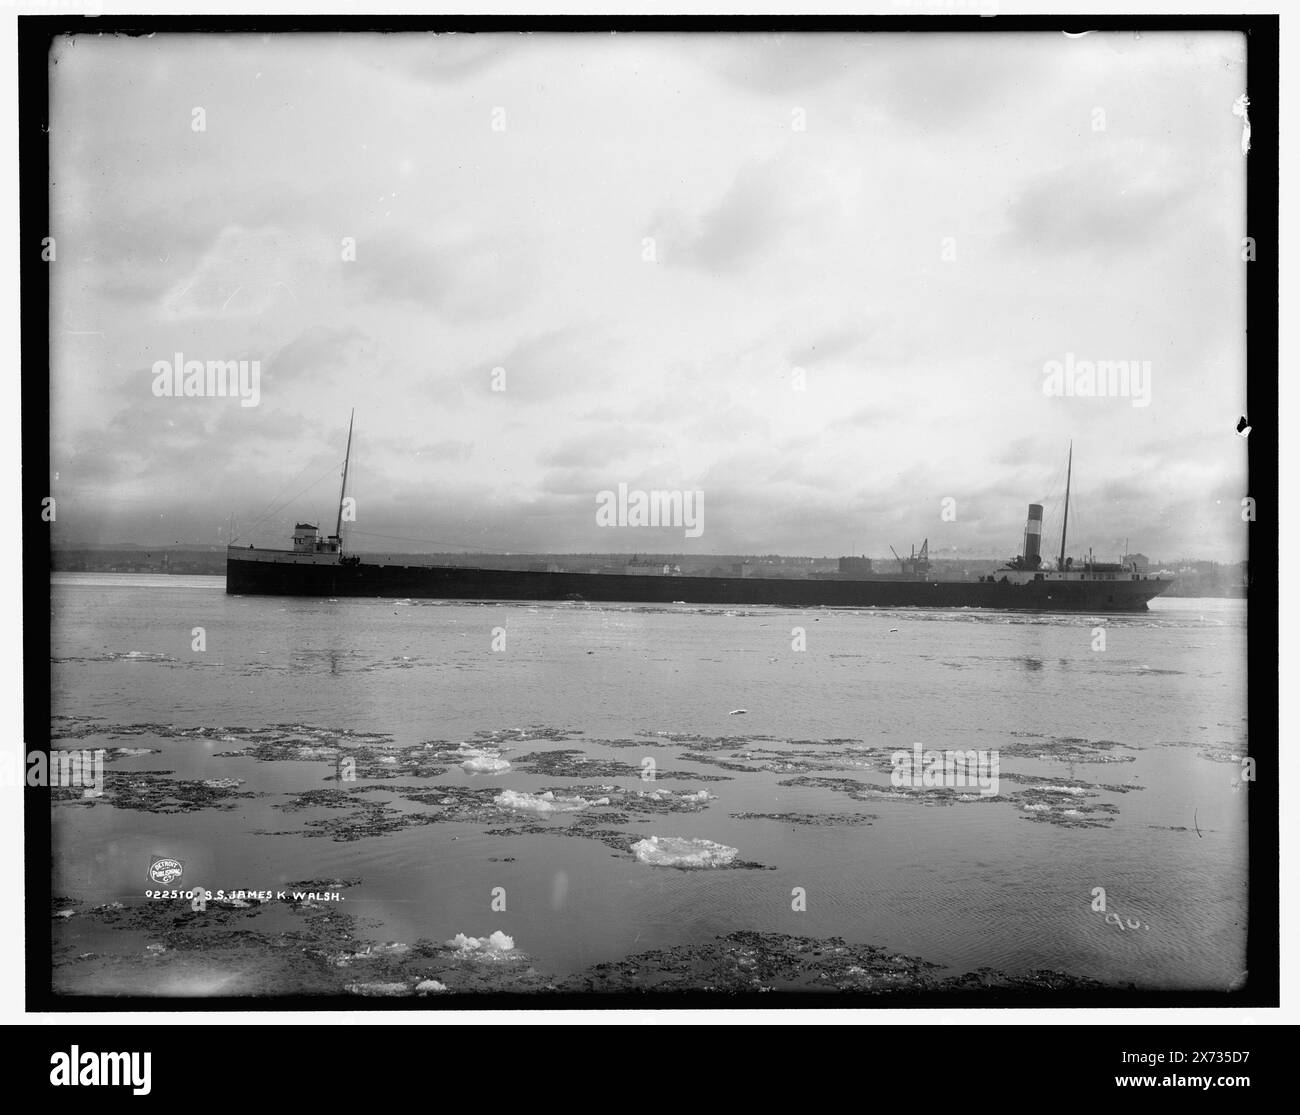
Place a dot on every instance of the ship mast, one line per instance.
(1065, 521)
(338, 526)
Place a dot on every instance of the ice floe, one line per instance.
(498, 944)
(542, 803)
(699, 797)
(377, 988)
(372, 952)
(482, 760)
(681, 851)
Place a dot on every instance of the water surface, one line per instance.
(1157, 714)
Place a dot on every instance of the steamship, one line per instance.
(319, 567)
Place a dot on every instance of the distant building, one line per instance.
(651, 569)
(855, 566)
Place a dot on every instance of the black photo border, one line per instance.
(35, 35)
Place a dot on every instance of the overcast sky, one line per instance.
(653, 240)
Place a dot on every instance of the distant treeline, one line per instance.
(1209, 578)
(133, 559)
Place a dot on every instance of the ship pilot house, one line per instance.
(307, 540)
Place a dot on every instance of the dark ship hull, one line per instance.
(282, 573)
(318, 567)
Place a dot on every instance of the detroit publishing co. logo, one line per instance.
(165, 870)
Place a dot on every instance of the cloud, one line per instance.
(1100, 205)
(461, 275)
(936, 82)
(861, 419)
(836, 343)
(549, 366)
(244, 273)
(318, 352)
(445, 58)
(765, 204)
(778, 64)
(599, 448)
(449, 450)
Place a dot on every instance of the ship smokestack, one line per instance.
(1033, 536)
